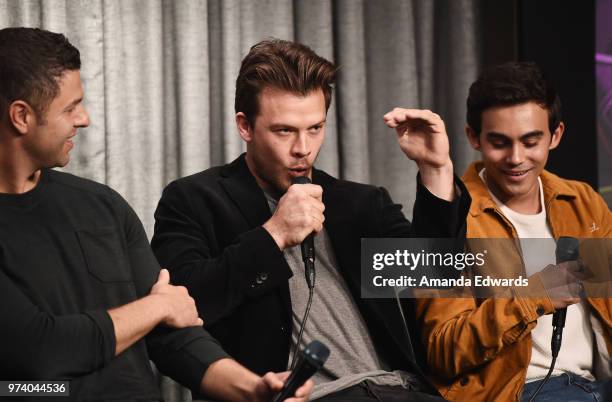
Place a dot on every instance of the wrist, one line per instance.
(439, 180)
(228, 380)
(249, 386)
(271, 229)
(159, 308)
(436, 170)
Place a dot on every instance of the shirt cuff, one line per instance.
(446, 218)
(108, 340)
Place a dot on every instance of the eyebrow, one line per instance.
(319, 123)
(73, 103)
(495, 135)
(279, 126)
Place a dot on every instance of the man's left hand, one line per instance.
(421, 135)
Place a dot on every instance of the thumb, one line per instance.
(283, 376)
(273, 381)
(163, 278)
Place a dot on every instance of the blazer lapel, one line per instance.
(243, 190)
(334, 211)
(382, 316)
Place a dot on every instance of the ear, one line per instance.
(556, 136)
(472, 137)
(244, 127)
(21, 116)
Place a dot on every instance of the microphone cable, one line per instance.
(310, 280)
(308, 256)
(555, 345)
(552, 367)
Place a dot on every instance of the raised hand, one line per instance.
(421, 135)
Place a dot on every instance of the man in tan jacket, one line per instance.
(498, 348)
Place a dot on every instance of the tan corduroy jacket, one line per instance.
(479, 349)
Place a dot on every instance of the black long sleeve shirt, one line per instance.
(71, 249)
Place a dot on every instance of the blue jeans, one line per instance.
(566, 387)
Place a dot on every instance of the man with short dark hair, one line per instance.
(231, 234)
(499, 348)
(82, 297)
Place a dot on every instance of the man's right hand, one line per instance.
(180, 309)
(228, 380)
(272, 383)
(563, 282)
(299, 213)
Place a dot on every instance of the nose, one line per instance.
(517, 155)
(82, 117)
(301, 145)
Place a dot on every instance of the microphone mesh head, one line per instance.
(300, 180)
(317, 351)
(567, 249)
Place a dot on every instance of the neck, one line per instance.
(528, 203)
(265, 186)
(17, 174)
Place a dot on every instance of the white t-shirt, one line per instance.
(538, 247)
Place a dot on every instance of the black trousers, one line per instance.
(369, 392)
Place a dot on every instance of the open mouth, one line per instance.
(516, 174)
(298, 171)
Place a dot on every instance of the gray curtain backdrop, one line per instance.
(160, 76)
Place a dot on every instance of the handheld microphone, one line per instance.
(307, 246)
(308, 256)
(567, 250)
(310, 360)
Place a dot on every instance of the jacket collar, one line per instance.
(553, 186)
(242, 188)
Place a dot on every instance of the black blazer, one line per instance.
(208, 233)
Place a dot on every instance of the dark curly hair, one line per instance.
(511, 84)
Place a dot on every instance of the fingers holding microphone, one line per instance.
(563, 282)
(272, 383)
(299, 212)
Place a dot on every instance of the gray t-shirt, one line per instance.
(334, 320)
